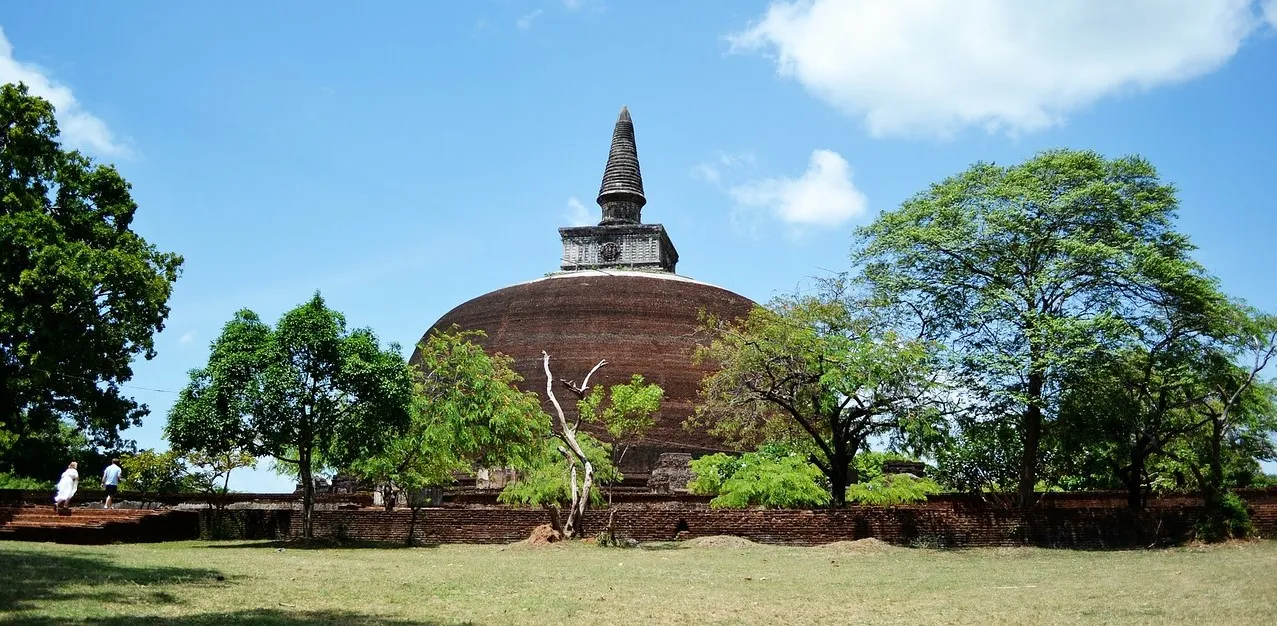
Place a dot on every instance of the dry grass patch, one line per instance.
(860, 546)
(719, 541)
(852, 582)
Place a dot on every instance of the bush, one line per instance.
(758, 479)
(1229, 519)
(892, 489)
(710, 472)
(8, 481)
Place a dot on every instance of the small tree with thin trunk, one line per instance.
(467, 414)
(626, 410)
(812, 370)
(571, 480)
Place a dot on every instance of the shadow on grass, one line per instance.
(269, 617)
(320, 544)
(31, 577)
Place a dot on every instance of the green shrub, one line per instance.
(1229, 520)
(787, 483)
(892, 489)
(8, 481)
(710, 472)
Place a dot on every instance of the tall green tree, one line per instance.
(1239, 405)
(1121, 414)
(1138, 395)
(466, 415)
(814, 369)
(308, 393)
(81, 294)
(1023, 271)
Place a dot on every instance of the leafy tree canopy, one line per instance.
(1023, 271)
(308, 392)
(817, 372)
(467, 414)
(83, 295)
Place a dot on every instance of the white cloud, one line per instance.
(578, 215)
(712, 171)
(932, 67)
(1270, 12)
(823, 196)
(186, 338)
(80, 129)
(525, 22)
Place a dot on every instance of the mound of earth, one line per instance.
(719, 541)
(542, 536)
(868, 545)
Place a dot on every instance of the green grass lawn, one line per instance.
(220, 583)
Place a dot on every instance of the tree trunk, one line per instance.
(1216, 455)
(412, 522)
(1032, 431)
(1132, 477)
(1213, 486)
(839, 476)
(387, 497)
(555, 522)
(575, 526)
(308, 493)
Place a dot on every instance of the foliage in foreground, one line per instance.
(892, 489)
(547, 481)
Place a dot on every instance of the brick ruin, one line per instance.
(1086, 520)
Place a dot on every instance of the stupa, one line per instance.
(617, 297)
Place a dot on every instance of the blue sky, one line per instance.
(406, 159)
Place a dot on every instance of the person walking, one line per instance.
(111, 481)
(67, 485)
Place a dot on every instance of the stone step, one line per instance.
(47, 524)
(96, 513)
(56, 517)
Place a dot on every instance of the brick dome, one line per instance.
(641, 322)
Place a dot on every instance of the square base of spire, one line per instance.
(638, 246)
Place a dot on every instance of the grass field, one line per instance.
(218, 583)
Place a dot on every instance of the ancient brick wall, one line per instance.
(945, 525)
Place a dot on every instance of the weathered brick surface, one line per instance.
(641, 323)
(96, 526)
(928, 525)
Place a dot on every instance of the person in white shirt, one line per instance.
(67, 485)
(111, 481)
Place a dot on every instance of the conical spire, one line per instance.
(621, 195)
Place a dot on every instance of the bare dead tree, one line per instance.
(581, 469)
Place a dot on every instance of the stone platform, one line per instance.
(82, 525)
